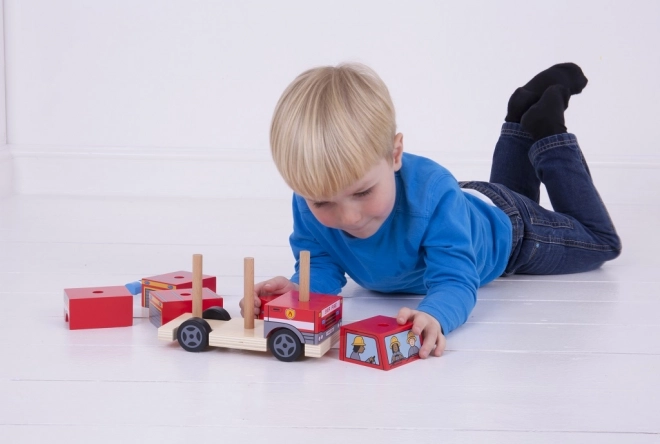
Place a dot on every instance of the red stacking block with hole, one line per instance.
(165, 305)
(98, 307)
(172, 281)
(379, 342)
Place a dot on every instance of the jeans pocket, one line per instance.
(540, 216)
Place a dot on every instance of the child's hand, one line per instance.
(428, 327)
(276, 285)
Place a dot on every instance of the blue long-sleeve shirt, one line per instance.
(438, 241)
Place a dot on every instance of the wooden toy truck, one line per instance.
(293, 324)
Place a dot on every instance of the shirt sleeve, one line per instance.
(326, 276)
(451, 276)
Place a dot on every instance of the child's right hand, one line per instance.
(276, 285)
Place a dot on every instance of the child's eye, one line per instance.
(320, 204)
(363, 193)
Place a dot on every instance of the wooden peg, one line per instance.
(248, 293)
(303, 287)
(197, 285)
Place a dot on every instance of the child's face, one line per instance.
(361, 209)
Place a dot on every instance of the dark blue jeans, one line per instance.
(579, 234)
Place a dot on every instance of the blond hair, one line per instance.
(331, 126)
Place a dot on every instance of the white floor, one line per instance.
(568, 359)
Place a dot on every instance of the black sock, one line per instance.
(546, 117)
(568, 75)
(519, 102)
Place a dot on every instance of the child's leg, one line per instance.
(560, 165)
(511, 166)
(579, 235)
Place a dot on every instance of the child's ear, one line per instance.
(397, 152)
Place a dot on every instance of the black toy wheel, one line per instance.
(193, 335)
(285, 345)
(217, 313)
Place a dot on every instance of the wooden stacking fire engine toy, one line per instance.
(293, 324)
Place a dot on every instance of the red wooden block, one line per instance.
(319, 316)
(98, 307)
(172, 281)
(265, 300)
(379, 342)
(166, 305)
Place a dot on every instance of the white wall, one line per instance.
(121, 81)
(6, 163)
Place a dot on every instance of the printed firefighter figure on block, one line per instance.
(358, 348)
(396, 350)
(412, 343)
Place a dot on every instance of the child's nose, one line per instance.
(350, 217)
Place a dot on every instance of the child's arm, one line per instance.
(451, 275)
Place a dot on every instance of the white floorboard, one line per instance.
(569, 359)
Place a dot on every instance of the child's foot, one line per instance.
(568, 75)
(519, 102)
(546, 117)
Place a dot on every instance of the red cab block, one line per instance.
(316, 319)
(379, 342)
(265, 299)
(166, 305)
(172, 281)
(98, 307)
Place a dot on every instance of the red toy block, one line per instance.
(265, 300)
(172, 281)
(98, 307)
(379, 342)
(316, 319)
(166, 305)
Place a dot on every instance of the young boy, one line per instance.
(396, 222)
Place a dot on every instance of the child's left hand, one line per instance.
(428, 327)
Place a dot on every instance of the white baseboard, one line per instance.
(6, 172)
(214, 173)
(628, 181)
(150, 172)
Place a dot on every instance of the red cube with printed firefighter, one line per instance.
(379, 342)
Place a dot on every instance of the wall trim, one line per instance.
(3, 84)
(147, 172)
(233, 173)
(6, 171)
